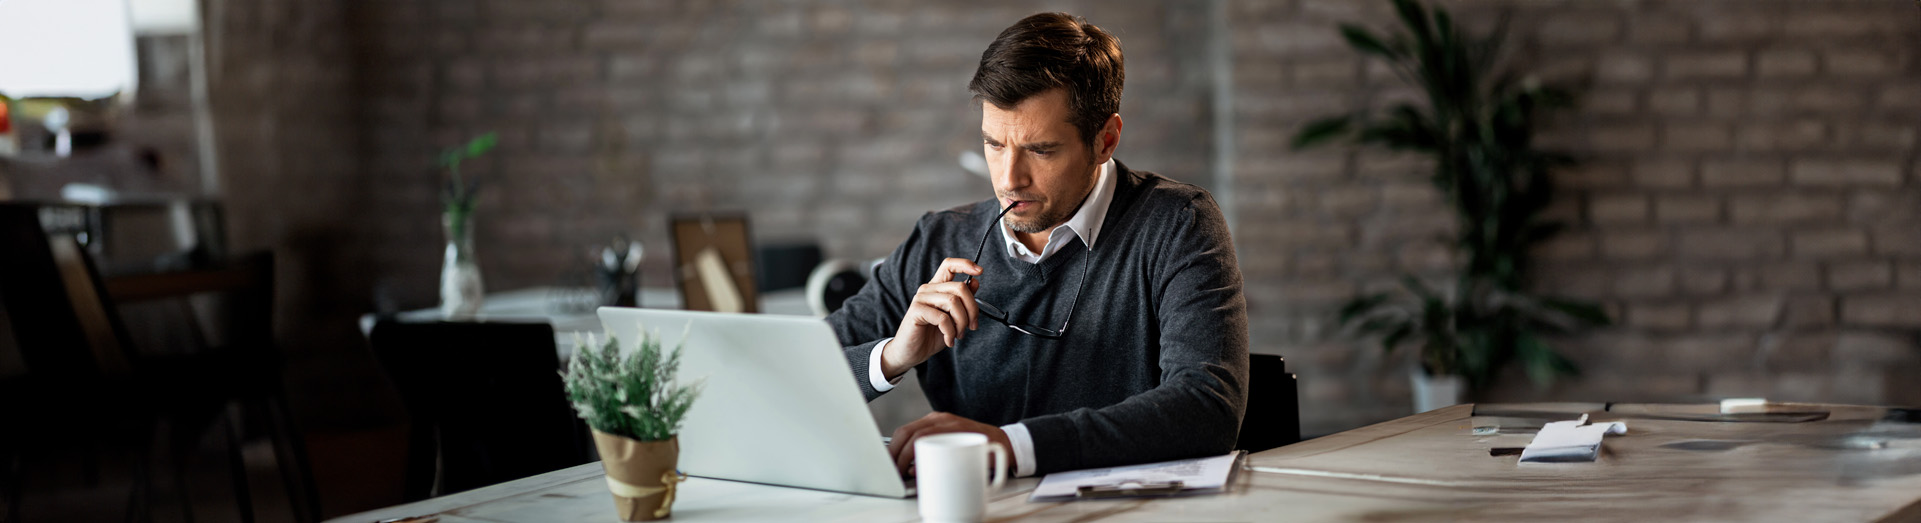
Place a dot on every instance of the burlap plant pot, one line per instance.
(640, 474)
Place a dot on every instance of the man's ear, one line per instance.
(1109, 139)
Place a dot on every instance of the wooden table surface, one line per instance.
(1676, 463)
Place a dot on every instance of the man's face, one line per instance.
(1038, 161)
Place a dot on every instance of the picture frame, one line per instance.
(714, 262)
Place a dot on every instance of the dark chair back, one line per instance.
(53, 299)
(484, 400)
(1273, 416)
(833, 282)
(80, 362)
(784, 265)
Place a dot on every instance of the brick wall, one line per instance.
(281, 83)
(1748, 205)
(832, 122)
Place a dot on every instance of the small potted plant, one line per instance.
(635, 408)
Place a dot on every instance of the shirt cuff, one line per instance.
(1023, 444)
(875, 376)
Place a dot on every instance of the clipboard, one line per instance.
(1187, 477)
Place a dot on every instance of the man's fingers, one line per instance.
(903, 450)
(949, 331)
(902, 447)
(943, 311)
(952, 266)
(904, 461)
(966, 291)
(961, 309)
(899, 441)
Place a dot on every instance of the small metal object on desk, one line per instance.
(1900, 415)
(1128, 489)
(429, 518)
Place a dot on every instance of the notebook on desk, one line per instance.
(778, 404)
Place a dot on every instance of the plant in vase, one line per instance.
(1478, 125)
(460, 288)
(635, 408)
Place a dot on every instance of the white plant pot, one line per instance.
(1433, 392)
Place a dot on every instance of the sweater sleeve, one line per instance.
(1196, 408)
(874, 313)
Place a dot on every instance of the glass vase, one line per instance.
(460, 288)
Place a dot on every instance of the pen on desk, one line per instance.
(428, 518)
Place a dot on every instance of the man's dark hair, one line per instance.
(1054, 50)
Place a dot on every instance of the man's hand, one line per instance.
(902, 447)
(942, 312)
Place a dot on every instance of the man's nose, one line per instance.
(1013, 170)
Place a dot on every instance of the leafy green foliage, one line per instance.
(1478, 124)
(634, 396)
(457, 195)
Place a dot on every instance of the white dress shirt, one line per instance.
(1085, 225)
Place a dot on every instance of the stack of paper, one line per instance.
(1196, 476)
(1574, 440)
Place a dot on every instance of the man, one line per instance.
(1091, 315)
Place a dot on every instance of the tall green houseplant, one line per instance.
(1478, 125)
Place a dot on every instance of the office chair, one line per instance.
(1273, 416)
(833, 282)
(88, 384)
(781, 266)
(485, 403)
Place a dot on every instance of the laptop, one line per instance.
(778, 403)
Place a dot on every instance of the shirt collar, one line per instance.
(1085, 224)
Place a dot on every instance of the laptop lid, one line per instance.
(778, 404)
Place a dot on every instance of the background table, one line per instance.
(904, 404)
(563, 307)
(1428, 467)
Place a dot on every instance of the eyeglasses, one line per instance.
(995, 313)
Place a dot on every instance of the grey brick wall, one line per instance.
(1749, 205)
(280, 77)
(837, 122)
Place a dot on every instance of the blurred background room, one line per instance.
(214, 207)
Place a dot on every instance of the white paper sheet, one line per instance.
(1197, 474)
(1564, 441)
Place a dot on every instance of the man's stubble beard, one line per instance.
(1043, 223)
(1055, 216)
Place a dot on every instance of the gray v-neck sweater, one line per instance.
(1154, 363)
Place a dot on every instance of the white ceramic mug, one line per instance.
(951, 475)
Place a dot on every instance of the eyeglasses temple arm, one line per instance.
(982, 249)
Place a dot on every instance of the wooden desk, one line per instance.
(1427, 467)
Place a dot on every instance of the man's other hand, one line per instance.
(942, 312)
(902, 447)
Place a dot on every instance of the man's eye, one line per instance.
(992, 144)
(1043, 152)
